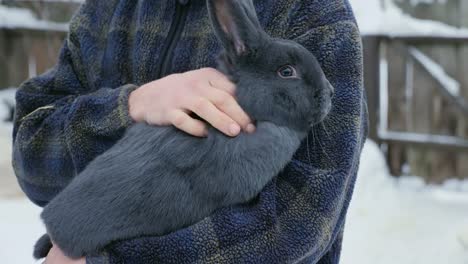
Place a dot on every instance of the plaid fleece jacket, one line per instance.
(79, 109)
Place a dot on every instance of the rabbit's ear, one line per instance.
(236, 24)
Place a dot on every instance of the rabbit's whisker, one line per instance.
(313, 137)
(325, 129)
(308, 150)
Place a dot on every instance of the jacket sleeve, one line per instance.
(61, 124)
(299, 216)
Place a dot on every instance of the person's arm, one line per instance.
(299, 216)
(60, 125)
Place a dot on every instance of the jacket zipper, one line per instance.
(175, 32)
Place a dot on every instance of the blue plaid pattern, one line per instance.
(78, 110)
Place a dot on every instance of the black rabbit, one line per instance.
(156, 180)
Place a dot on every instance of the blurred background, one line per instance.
(411, 200)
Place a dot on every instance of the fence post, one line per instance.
(371, 46)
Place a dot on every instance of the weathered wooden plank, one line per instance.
(371, 81)
(4, 78)
(426, 40)
(444, 115)
(15, 60)
(462, 130)
(419, 159)
(18, 47)
(439, 142)
(397, 105)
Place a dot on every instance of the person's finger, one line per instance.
(218, 80)
(227, 104)
(223, 84)
(211, 114)
(184, 122)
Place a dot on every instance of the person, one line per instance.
(127, 61)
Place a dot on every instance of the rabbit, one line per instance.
(156, 180)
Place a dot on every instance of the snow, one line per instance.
(385, 17)
(19, 219)
(403, 220)
(8, 185)
(20, 227)
(7, 98)
(12, 17)
(449, 83)
(390, 220)
(383, 91)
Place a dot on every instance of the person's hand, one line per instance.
(56, 256)
(205, 92)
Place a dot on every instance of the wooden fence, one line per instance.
(418, 112)
(434, 120)
(25, 53)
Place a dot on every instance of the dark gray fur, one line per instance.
(156, 180)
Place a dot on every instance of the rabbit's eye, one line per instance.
(287, 71)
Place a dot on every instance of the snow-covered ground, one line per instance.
(404, 221)
(19, 219)
(20, 227)
(8, 186)
(7, 98)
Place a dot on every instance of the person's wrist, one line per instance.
(134, 106)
